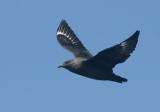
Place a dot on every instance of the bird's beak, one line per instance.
(60, 66)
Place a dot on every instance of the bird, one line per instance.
(99, 66)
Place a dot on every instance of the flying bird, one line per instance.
(100, 66)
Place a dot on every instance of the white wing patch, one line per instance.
(62, 32)
(70, 41)
(124, 44)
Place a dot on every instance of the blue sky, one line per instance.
(30, 54)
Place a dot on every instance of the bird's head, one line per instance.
(66, 64)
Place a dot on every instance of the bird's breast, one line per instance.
(92, 71)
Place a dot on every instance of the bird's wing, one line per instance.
(70, 41)
(116, 54)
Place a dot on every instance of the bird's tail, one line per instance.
(118, 79)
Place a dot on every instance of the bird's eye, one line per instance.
(66, 62)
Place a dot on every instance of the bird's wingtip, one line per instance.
(137, 32)
(63, 21)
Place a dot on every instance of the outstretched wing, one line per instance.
(70, 41)
(116, 54)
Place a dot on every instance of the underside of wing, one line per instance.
(70, 41)
(116, 54)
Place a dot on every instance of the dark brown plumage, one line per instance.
(99, 66)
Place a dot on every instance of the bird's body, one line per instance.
(80, 66)
(97, 67)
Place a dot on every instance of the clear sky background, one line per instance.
(30, 54)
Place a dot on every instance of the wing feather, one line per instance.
(67, 38)
(116, 54)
